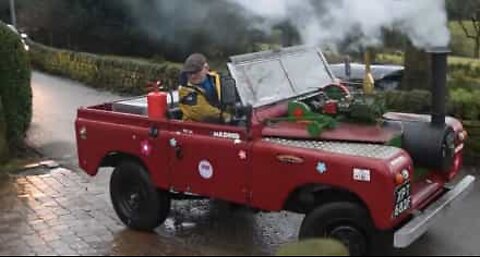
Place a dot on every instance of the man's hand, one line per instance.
(227, 118)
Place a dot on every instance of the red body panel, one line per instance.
(343, 132)
(109, 132)
(283, 179)
(230, 172)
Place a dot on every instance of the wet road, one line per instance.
(62, 212)
(55, 102)
(65, 212)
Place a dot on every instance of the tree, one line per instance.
(467, 10)
(417, 72)
(474, 33)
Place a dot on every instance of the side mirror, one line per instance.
(229, 94)
(244, 114)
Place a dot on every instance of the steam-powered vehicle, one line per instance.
(299, 142)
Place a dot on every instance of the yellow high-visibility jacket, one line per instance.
(195, 105)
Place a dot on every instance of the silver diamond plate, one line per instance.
(362, 150)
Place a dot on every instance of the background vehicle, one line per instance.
(387, 77)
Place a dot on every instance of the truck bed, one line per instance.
(138, 105)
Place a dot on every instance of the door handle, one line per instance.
(179, 152)
(177, 147)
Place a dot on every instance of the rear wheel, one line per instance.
(137, 202)
(347, 222)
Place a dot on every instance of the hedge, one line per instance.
(473, 142)
(463, 104)
(122, 75)
(15, 91)
(4, 149)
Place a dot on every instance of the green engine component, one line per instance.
(362, 108)
(299, 110)
(317, 123)
(366, 109)
(335, 93)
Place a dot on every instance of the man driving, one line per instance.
(199, 92)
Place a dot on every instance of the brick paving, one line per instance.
(67, 213)
(62, 212)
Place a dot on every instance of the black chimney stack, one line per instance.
(439, 84)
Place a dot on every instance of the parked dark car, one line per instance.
(387, 77)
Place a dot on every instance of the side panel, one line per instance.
(208, 163)
(96, 139)
(274, 180)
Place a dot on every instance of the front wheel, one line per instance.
(137, 202)
(344, 221)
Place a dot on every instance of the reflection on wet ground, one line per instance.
(65, 213)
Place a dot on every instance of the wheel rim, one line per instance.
(133, 198)
(352, 238)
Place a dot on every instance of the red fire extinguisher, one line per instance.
(157, 102)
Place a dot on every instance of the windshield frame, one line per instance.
(246, 88)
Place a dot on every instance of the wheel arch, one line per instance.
(307, 197)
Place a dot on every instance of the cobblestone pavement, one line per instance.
(65, 213)
(62, 212)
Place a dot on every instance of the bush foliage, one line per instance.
(122, 75)
(463, 104)
(15, 90)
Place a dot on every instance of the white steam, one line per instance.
(333, 21)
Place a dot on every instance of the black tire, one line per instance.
(137, 202)
(344, 221)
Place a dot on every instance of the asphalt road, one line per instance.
(212, 225)
(55, 103)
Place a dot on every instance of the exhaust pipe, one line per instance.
(432, 144)
(439, 65)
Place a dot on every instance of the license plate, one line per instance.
(403, 199)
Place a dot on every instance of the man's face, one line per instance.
(199, 77)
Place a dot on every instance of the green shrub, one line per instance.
(473, 142)
(314, 247)
(122, 75)
(15, 91)
(461, 44)
(415, 101)
(463, 104)
(4, 151)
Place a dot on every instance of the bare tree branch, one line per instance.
(476, 25)
(467, 33)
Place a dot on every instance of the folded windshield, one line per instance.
(269, 77)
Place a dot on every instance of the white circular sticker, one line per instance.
(206, 169)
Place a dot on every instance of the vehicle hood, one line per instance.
(345, 132)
